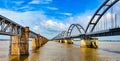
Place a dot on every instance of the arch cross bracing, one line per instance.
(79, 28)
(61, 35)
(99, 14)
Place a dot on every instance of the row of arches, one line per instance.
(93, 21)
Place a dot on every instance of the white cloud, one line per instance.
(54, 25)
(30, 18)
(40, 2)
(68, 14)
(36, 20)
(82, 19)
(35, 2)
(52, 8)
(18, 2)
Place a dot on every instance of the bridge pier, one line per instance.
(24, 42)
(61, 41)
(89, 42)
(34, 45)
(14, 45)
(20, 45)
(68, 41)
(36, 42)
(44, 40)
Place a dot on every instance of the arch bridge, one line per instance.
(93, 28)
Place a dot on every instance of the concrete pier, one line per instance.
(38, 42)
(20, 44)
(89, 42)
(14, 45)
(24, 42)
(34, 45)
(67, 41)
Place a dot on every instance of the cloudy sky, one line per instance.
(49, 17)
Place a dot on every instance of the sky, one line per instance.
(49, 17)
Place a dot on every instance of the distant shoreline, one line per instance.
(4, 39)
(75, 40)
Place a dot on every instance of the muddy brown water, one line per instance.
(53, 51)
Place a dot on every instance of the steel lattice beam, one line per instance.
(9, 27)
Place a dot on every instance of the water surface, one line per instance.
(53, 51)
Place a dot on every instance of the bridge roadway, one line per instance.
(109, 32)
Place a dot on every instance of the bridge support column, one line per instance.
(68, 41)
(24, 42)
(89, 42)
(40, 41)
(44, 40)
(61, 41)
(19, 45)
(36, 42)
(14, 45)
(34, 45)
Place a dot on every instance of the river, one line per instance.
(54, 51)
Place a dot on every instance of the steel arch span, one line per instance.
(99, 14)
(61, 35)
(72, 26)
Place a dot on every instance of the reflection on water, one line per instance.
(53, 51)
(89, 54)
(18, 58)
(108, 50)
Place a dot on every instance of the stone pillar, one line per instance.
(68, 41)
(24, 42)
(89, 42)
(60, 41)
(14, 45)
(38, 41)
(34, 43)
(41, 41)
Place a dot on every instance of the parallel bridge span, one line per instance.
(88, 37)
(9, 27)
(20, 35)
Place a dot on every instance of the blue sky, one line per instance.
(49, 17)
(52, 8)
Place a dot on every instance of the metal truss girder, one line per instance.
(9, 27)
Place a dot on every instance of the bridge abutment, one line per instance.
(89, 42)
